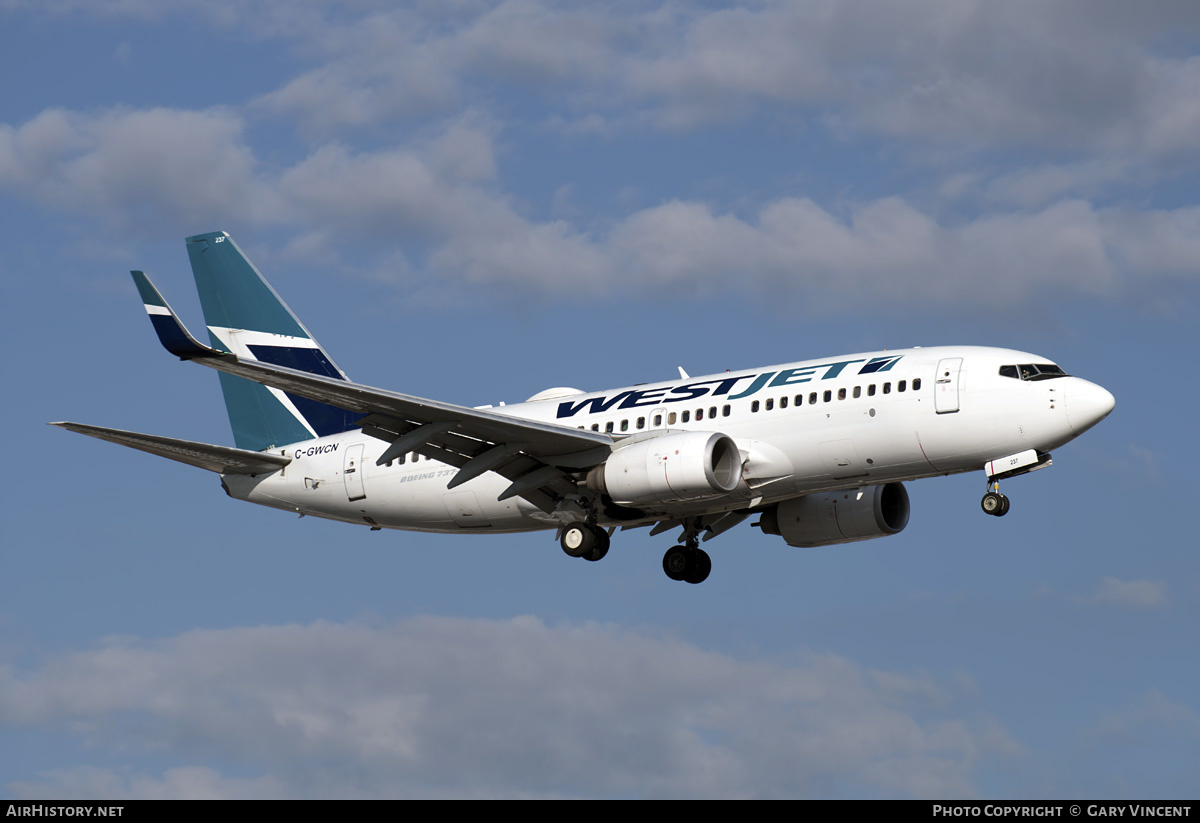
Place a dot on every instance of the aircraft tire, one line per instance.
(699, 566)
(577, 539)
(1004, 506)
(992, 504)
(676, 562)
(600, 549)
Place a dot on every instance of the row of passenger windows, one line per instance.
(827, 395)
(672, 418)
(769, 404)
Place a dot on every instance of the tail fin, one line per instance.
(245, 316)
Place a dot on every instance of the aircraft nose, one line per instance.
(1087, 404)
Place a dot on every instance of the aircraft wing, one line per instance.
(221, 459)
(530, 453)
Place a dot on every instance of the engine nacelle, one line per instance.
(839, 517)
(670, 468)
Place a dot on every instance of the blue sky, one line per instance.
(476, 201)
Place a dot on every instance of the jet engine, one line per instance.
(839, 517)
(669, 468)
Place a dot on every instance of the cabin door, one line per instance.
(945, 397)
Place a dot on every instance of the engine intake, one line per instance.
(827, 518)
(670, 468)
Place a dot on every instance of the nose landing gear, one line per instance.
(994, 503)
(1002, 468)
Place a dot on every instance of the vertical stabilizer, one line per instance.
(245, 316)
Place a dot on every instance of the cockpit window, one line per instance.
(1032, 371)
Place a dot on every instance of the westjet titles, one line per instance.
(634, 398)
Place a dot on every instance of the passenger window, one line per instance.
(685, 417)
(657, 420)
(812, 398)
(887, 388)
(671, 419)
(754, 406)
(770, 403)
(903, 385)
(725, 411)
(828, 395)
(841, 394)
(624, 425)
(595, 427)
(871, 390)
(608, 427)
(699, 414)
(917, 384)
(783, 402)
(712, 412)
(857, 392)
(400, 459)
(641, 424)
(799, 399)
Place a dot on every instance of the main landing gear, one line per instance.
(994, 503)
(688, 562)
(585, 540)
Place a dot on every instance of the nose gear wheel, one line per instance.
(994, 503)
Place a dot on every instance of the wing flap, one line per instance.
(220, 459)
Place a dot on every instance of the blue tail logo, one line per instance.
(245, 316)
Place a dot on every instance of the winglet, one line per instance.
(174, 337)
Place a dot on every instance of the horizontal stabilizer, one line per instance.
(222, 459)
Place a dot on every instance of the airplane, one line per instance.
(819, 450)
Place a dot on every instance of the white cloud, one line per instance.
(1162, 242)
(438, 198)
(964, 75)
(455, 707)
(1153, 713)
(375, 70)
(883, 251)
(1132, 594)
(130, 166)
(1096, 78)
(183, 783)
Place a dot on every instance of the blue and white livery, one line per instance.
(817, 449)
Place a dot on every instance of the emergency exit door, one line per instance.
(352, 473)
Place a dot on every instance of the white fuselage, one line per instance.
(804, 427)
